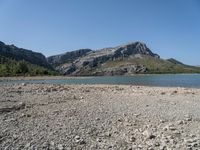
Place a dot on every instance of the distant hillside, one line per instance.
(174, 61)
(16, 61)
(128, 59)
(11, 67)
(15, 53)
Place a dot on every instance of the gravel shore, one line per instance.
(90, 117)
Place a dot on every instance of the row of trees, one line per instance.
(10, 67)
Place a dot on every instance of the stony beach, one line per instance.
(90, 117)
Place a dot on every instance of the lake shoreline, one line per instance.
(169, 80)
(75, 77)
(98, 116)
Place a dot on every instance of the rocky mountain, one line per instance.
(15, 53)
(128, 59)
(125, 59)
(67, 57)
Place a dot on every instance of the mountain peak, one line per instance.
(73, 63)
(134, 48)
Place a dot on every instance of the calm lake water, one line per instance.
(170, 80)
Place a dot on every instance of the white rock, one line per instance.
(60, 147)
(148, 134)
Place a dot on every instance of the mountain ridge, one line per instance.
(13, 52)
(126, 59)
(16, 61)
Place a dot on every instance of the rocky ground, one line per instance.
(74, 117)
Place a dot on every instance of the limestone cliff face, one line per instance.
(86, 61)
(13, 52)
(67, 57)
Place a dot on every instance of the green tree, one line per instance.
(22, 67)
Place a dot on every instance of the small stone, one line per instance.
(23, 115)
(110, 146)
(15, 136)
(163, 147)
(157, 144)
(79, 140)
(52, 143)
(60, 147)
(180, 122)
(45, 145)
(56, 112)
(150, 148)
(163, 93)
(97, 119)
(108, 134)
(137, 115)
(11, 119)
(172, 128)
(82, 142)
(77, 137)
(140, 146)
(20, 105)
(148, 134)
(119, 119)
(174, 92)
(99, 140)
(132, 139)
(27, 145)
(162, 121)
(169, 127)
(68, 148)
(23, 84)
(188, 119)
(28, 115)
(128, 124)
(124, 114)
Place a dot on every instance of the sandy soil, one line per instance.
(44, 116)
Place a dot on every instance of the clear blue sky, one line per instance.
(170, 28)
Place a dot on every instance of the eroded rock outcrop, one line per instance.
(89, 62)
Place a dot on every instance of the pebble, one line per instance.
(52, 143)
(180, 122)
(99, 140)
(188, 119)
(119, 119)
(60, 147)
(27, 145)
(108, 134)
(23, 84)
(163, 93)
(79, 140)
(148, 134)
(137, 115)
(97, 119)
(132, 139)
